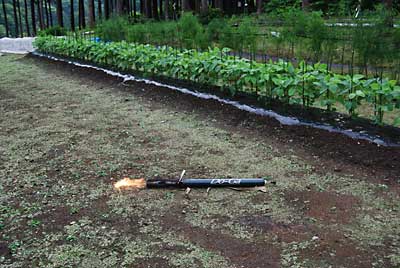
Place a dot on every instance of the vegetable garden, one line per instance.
(307, 85)
(364, 46)
(152, 90)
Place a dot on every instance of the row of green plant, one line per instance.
(292, 34)
(307, 85)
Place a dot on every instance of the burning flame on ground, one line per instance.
(127, 183)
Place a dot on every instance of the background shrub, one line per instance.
(190, 31)
(53, 31)
(113, 29)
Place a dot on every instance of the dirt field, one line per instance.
(67, 134)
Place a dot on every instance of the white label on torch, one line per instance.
(225, 181)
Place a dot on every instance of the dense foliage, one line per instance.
(25, 16)
(332, 7)
(49, 16)
(292, 34)
(304, 85)
(2, 30)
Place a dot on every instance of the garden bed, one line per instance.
(289, 114)
(308, 85)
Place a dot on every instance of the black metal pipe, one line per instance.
(205, 183)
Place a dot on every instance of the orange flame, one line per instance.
(127, 183)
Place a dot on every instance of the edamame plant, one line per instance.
(307, 85)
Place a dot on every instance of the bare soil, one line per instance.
(67, 134)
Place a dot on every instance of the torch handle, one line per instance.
(245, 182)
(205, 183)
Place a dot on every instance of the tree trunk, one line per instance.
(26, 18)
(142, 7)
(204, 6)
(82, 21)
(305, 5)
(134, 10)
(166, 9)
(51, 14)
(131, 5)
(60, 20)
(5, 18)
(196, 6)
(219, 4)
(235, 6)
(21, 30)
(186, 5)
(228, 8)
(107, 9)
(40, 14)
(91, 14)
(252, 6)
(147, 8)
(119, 7)
(160, 8)
(33, 17)
(259, 7)
(16, 26)
(72, 15)
(125, 7)
(83, 14)
(47, 13)
(20, 18)
(122, 7)
(99, 13)
(155, 10)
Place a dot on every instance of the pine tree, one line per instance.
(33, 17)
(72, 15)
(60, 20)
(5, 18)
(16, 29)
(91, 14)
(26, 19)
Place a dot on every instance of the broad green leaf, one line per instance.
(292, 91)
(360, 93)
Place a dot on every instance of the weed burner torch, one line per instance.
(190, 183)
(205, 183)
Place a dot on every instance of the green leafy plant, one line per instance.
(113, 29)
(13, 246)
(34, 223)
(281, 80)
(191, 32)
(54, 31)
(2, 31)
(216, 29)
(210, 15)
